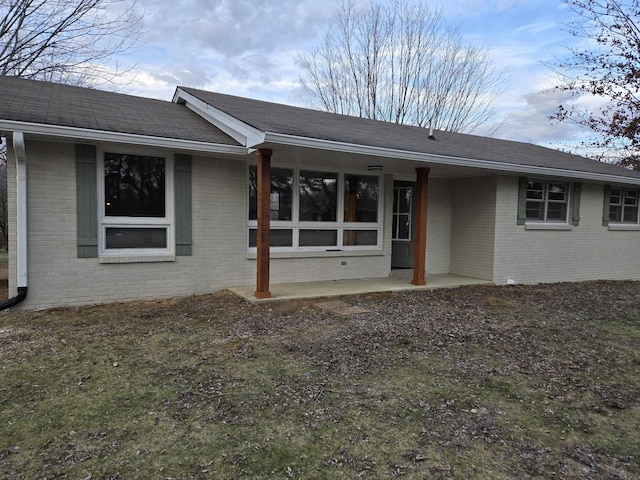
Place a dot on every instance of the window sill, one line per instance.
(320, 254)
(624, 228)
(548, 226)
(135, 258)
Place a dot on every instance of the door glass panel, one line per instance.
(405, 200)
(404, 227)
(402, 214)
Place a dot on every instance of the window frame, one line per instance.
(622, 205)
(167, 222)
(339, 225)
(545, 201)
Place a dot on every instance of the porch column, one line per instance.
(264, 223)
(420, 227)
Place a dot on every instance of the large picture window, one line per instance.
(318, 196)
(135, 195)
(319, 210)
(134, 186)
(281, 200)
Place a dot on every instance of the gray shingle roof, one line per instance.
(289, 120)
(55, 104)
(63, 105)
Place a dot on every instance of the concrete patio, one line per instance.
(397, 281)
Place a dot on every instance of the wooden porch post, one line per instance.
(420, 227)
(264, 223)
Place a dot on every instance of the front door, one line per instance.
(402, 229)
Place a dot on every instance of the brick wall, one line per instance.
(585, 252)
(439, 226)
(473, 227)
(219, 187)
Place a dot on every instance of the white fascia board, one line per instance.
(117, 137)
(283, 139)
(236, 129)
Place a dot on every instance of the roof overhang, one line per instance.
(273, 139)
(117, 137)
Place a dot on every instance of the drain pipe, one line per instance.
(21, 221)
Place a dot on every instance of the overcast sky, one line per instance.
(250, 48)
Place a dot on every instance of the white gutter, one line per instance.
(284, 139)
(116, 137)
(21, 207)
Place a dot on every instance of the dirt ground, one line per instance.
(539, 381)
(4, 281)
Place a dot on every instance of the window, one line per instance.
(281, 193)
(311, 211)
(318, 196)
(401, 229)
(135, 195)
(623, 205)
(361, 205)
(546, 201)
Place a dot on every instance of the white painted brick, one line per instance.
(219, 260)
(438, 226)
(472, 230)
(588, 251)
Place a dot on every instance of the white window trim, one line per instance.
(124, 255)
(339, 225)
(535, 224)
(623, 227)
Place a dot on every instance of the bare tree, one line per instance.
(66, 41)
(607, 69)
(400, 62)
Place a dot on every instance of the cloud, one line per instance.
(232, 28)
(530, 122)
(236, 46)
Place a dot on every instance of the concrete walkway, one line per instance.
(399, 280)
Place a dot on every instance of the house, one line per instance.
(115, 197)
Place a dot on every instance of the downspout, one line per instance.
(21, 221)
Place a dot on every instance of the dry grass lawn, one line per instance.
(468, 383)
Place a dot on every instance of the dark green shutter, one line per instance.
(522, 200)
(575, 204)
(605, 209)
(182, 196)
(86, 201)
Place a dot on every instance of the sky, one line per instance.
(251, 48)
